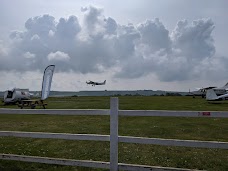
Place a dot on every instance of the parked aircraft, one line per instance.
(221, 90)
(211, 96)
(16, 95)
(202, 91)
(96, 83)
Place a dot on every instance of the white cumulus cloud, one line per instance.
(59, 56)
(101, 43)
(29, 55)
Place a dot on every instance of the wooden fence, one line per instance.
(114, 138)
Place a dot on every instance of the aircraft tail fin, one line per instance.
(104, 81)
(226, 85)
(211, 95)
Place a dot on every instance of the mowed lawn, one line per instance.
(212, 129)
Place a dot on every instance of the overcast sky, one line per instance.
(172, 45)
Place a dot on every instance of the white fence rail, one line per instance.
(86, 163)
(56, 111)
(125, 139)
(214, 114)
(114, 138)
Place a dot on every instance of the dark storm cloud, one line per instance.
(100, 43)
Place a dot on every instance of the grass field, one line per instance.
(213, 129)
(135, 102)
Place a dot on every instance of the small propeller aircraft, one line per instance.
(96, 83)
(212, 96)
(16, 95)
(202, 91)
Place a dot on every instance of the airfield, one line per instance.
(208, 129)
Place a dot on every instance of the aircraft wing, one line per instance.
(207, 88)
(91, 82)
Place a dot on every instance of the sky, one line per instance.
(173, 45)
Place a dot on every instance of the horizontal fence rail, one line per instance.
(90, 137)
(86, 163)
(125, 139)
(113, 138)
(161, 113)
(217, 114)
(174, 142)
(56, 111)
(48, 160)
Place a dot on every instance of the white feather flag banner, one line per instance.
(47, 79)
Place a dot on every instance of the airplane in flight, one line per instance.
(212, 96)
(202, 91)
(96, 83)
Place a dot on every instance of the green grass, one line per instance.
(135, 103)
(212, 129)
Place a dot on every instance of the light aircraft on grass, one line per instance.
(212, 96)
(16, 95)
(96, 83)
(202, 91)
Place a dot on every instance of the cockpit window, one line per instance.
(10, 94)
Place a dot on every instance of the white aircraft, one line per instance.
(212, 96)
(202, 91)
(221, 90)
(96, 83)
(16, 95)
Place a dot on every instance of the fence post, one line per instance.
(114, 108)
